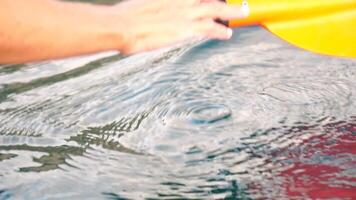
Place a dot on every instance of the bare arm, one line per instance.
(32, 30)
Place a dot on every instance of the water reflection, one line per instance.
(104, 136)
(321, 166)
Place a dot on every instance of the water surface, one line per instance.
(248, 118)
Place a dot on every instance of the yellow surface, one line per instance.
(322, 26)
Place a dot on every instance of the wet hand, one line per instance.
(151, 24)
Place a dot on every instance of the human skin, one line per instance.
(34, 30)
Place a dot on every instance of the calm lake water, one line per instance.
(250, 118)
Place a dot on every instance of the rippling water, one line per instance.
(248, 118)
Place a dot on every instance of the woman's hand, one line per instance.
(150, 24)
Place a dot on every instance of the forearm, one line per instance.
(54, 29)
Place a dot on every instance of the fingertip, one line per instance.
(229, 33)
(222, 33)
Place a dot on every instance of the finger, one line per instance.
(217, 10)
(213, 30)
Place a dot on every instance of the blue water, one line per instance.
(248, 118)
